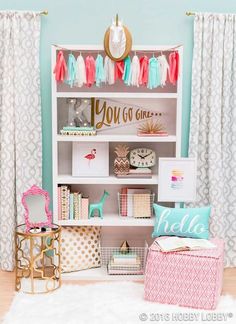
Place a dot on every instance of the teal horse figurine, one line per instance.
(98, 206)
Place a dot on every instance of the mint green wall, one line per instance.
(160, 22)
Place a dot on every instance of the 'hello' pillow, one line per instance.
(185, 222)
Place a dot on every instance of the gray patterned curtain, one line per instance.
(20, 121)
(213, 122)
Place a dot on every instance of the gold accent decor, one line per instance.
(121, 162)
(151, 127)
(44, 13)
(189, 13)
(128, 46)
(124, 248)
(37, 259)
(81, 248)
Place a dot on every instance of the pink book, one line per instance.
(84, 207)
(59, 202)
(123, 202)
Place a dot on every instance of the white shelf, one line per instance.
(112, 179)
(73, 94)
(116, 138)
(109, 220)
(98, 274)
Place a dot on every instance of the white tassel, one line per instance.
(134, 72)
(80, 77)
(164, 68)
(109, 71)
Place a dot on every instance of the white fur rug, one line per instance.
(108, 303)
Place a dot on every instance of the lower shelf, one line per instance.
(108, 220)
(99, 274)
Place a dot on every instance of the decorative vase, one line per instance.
(121, 162)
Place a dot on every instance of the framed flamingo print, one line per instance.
(90, 159)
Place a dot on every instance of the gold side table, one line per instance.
(37, 260)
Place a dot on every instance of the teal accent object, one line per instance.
(71, 206)
(71, 70)
(69, 128)
(127, 69)
(154, 79)
(184, 222)
(50, 252)
(98, 206)
(100, 75)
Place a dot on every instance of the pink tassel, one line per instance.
(60, 69)
(90, 67)
(174, 67)
(143, 76)
(119, 70)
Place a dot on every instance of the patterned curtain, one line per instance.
(213, 122)
(20, 121)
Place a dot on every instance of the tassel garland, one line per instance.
(150, 72)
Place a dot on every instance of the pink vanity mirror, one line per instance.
(36, 203)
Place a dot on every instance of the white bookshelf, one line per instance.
(114, 228)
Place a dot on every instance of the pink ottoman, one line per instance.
(188, 278)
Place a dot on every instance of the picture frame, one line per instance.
(90, 159)
(177, 179)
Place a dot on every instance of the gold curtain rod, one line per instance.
(189, 13)
(44, 13)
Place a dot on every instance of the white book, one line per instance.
(125, 260)
(124, 266)
(171, 244)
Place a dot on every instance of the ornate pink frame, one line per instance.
(34, 190)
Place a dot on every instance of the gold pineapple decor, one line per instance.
(121, 162)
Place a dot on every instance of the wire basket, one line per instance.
(131, 263)
(138, 205)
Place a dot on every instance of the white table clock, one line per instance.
(143, 159)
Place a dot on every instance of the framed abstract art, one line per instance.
(177, 180)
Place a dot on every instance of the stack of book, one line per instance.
(129, 263)
(72, 205)
(81, 131)
(136, 202)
